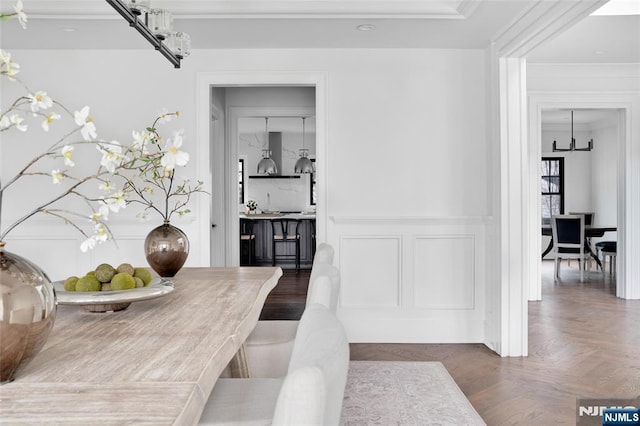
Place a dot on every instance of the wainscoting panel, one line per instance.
(411, 279)
(372, 266)
(438, 284)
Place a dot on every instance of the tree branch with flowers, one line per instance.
(146, 166)
(147, 172)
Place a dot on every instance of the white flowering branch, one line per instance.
(153, 167)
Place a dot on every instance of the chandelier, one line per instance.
(156, 25)
(572, 144)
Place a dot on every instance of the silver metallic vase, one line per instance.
(27, 312)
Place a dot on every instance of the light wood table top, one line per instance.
(154, 363)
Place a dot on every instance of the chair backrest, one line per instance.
(246, 226)
(285, 228)
(313, 389)
(588, 217)
(568, 234)
(324, 254)
(324, 286)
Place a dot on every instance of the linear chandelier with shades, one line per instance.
(572, 144)
(155, 25)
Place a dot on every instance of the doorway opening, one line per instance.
(589, 183)
(230, 113)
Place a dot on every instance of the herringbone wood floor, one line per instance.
(583, 343)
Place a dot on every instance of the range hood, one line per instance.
(275, 145)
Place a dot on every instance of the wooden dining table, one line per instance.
(154, 363)
(589, 232)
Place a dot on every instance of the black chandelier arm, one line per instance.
(572, 144)
(133, 21)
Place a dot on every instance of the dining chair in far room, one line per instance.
(569, 242)
(588, 221)
(607, 249)
(247, 242)
(312, 391)
(269, 346)
(588, 217)
(286, 235)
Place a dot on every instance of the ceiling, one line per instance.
(451, 24)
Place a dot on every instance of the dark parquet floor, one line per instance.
(583, 343)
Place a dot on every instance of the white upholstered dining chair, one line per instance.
(269, 346)
(310, 394)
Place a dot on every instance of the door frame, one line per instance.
(627, 278)
(215, 159)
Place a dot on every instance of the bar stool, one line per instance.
(247, 243)
(608, 249)
(286, 232)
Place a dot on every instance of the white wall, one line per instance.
(406, 172)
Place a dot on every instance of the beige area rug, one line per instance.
(404, 393)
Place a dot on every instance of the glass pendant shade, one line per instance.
(179, 43)
(138, 7)
(303, 165)
(160, 22)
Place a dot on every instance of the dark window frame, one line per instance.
(312, 184)
(560, 193)
(241, 180)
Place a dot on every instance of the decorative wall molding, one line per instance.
(421, 280)
(412, 220)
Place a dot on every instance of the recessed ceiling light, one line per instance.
(366, 27)
(68, 29)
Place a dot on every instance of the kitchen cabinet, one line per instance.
(262, 242)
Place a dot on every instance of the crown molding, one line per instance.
(539, 23)
(256, 9)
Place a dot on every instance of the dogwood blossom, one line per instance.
(48, 120)
(57, 175)
(67, 151)
(101, 214)
(141, 141)
(82, 118)
(40, 100)
(16, 121)
(164, 116)
(116, 201)
(7, 66)
(173, 156)
(112, 155)
(22, 17)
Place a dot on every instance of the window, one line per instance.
(241, 181)
(552, 183)
(312, 184)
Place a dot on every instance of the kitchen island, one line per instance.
(261, 243)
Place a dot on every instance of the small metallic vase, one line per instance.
(166, 248)
(27, 312)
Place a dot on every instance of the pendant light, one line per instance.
(266, 165)
(303, 165)
(572, 144)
